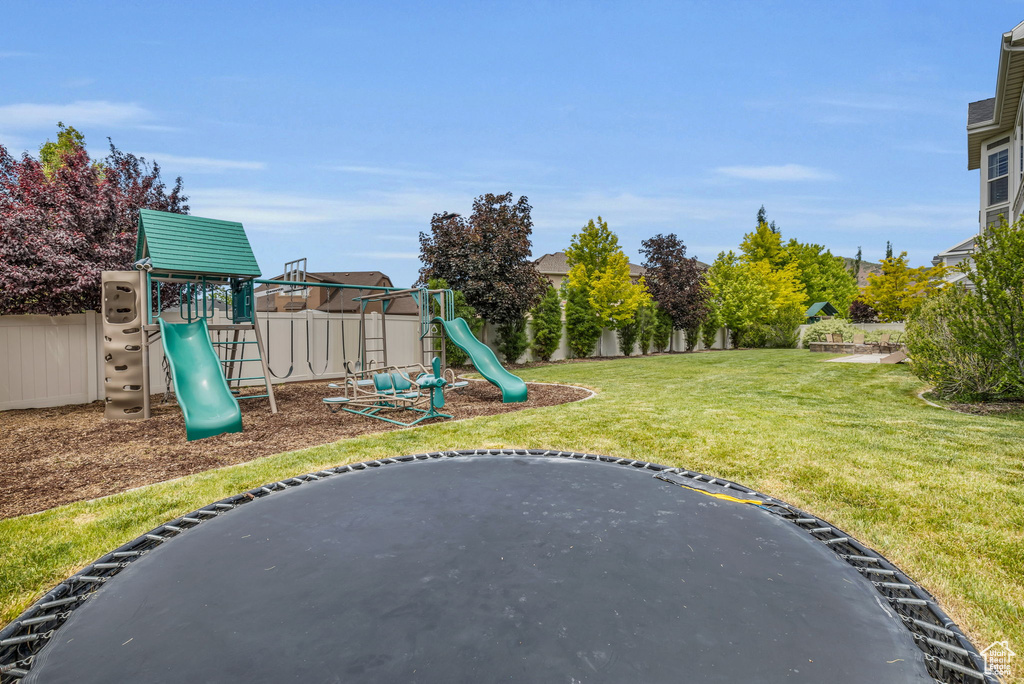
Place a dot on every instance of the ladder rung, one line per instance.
(238, 360)
(255, 377)
(254, 396)
(230, 343)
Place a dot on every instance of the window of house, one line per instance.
(998, 177)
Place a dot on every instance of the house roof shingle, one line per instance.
(981, 111)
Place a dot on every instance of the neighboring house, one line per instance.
(995, 146)
(331, 299)
(554, 267)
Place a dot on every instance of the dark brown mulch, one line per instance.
(54, 456)
(989, 408)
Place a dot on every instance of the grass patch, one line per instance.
(937, 492)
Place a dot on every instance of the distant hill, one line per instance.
(866, 267)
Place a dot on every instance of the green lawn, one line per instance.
(939, 493)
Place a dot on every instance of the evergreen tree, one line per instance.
(547, 325)
(888, 250)
(582, 325)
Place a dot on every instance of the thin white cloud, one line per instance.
(784, 172)
(31, 116)
(202, 164)
(157, 128)
(381, 171)
(288, 213)
(920, 217)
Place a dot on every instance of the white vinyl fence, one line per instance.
(55, 360)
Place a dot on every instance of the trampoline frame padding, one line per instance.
(948, 654)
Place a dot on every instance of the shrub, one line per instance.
(646, 320)
(971, 344)
(862, 312)
(662, 331)
(628, 333)
(709, 331)
(582, 326)
(816, 332)
(945, 350)
(512, 340)
(547, 325)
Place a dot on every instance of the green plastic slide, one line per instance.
(513, 389)
(203, 394)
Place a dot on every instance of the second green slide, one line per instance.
(513, 389)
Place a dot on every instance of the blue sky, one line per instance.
(334, 131)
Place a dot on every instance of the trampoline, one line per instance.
(487, 566)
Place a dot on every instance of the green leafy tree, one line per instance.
(824, 277)
(598, 265)
(764, 244)
(52, 154)
(899, 289)
(582, 325)
(547, 325)
(454, 355)
(749, 298)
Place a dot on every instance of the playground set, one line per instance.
(212, 265)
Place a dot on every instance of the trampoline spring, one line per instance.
(878, 571)
(90, 579)
(42, 618)
(311, 476)
(171, 528)
(927, 625)
(910, 601)
(820, 530)
(26, 638)
(805, 521)
(265, 490)
(859, 559)
(943, 645)
(126, 554)
(894, 585)
(203, 511)
(155, 537)
(224, 506)
(61, 602)
(13, 670)
(108, 566)
(194, 521)
(960, 668)
(837, 540)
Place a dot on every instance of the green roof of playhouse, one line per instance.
(179, 243)
(821, 308)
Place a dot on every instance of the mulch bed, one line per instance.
(54, 456)
(989, 408)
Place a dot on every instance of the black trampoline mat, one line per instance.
(484, 569)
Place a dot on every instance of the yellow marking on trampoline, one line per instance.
(723, 497)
